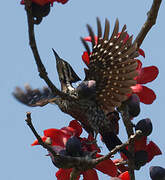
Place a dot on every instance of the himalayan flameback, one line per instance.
(110, 74)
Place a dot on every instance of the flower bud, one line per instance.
(40, 11)
(157, 173)
(133, 104)
(145, 125)
(73, 147)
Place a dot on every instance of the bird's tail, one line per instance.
(111, 140)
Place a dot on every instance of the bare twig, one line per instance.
(131, 139)
(40, 66)
(29, 123)
(123, 162)
(151, 20)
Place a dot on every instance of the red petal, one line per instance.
(125, 176)
(146, 95)
(89, 39)
(90, 175)
(141, 144)
(153, 150)
(85, 58)
(64, 174)
(147, 74)
(141, 52)
(36, 141)
(58, 137)
(107, 167)
(68, 131)
(76, 125)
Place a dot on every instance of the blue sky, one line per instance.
(61, 30)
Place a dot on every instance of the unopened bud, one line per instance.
(145, 125)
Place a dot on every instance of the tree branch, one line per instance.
(44, 145)
(41, 69)
(78, 163)
(151, 20)
(131, 139)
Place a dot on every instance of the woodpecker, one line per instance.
(110, 74)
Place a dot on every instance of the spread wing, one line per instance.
(112, 65)
(34, 97)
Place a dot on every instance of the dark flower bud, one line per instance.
(133, 104)
(86, 89)
(39, 11)
(157, 173)
(141, 158)
(145, 125)
(73, 147)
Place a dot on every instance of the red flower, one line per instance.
(59, 138)
(43, 2)
(143, 145)
(146, 74)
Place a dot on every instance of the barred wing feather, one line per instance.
(112, 65)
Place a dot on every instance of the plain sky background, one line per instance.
(61, 30)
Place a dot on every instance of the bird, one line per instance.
(108, 79)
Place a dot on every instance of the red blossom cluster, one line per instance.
(59, 139)
(147, 147)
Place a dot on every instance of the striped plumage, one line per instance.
(112, 65)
